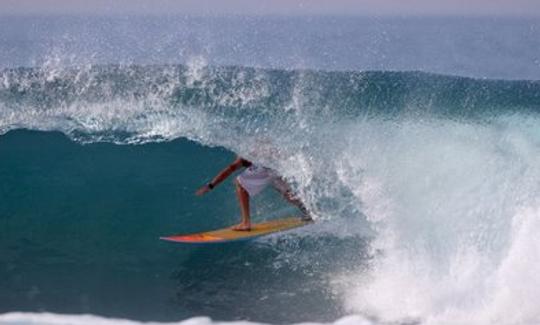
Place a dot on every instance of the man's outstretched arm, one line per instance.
(226, 172)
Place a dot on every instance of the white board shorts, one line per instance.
(255, 179)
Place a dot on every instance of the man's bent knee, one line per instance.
(239, 186)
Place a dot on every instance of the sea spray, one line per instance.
(453, 202)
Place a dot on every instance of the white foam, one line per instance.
(456, 208)
(18, 318)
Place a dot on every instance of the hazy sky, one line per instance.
(275, 7)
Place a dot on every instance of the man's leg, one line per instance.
(243, 199)
(282, 187)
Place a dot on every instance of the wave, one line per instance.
(442, 169)
(148, 103)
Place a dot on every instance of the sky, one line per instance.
(275, 7)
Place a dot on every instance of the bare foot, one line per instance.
(242, 227)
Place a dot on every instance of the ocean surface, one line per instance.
(414, 142)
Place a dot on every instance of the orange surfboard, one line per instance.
(228, 235)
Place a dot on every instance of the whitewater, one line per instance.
(423, 180)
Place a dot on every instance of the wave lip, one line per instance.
(148, 103)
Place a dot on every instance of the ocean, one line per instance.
(414, 142)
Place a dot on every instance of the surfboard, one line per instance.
(229, 235)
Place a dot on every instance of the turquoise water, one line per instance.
(80, 229)
(418, 159)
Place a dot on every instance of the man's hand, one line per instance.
(203, 190)
(238, 163)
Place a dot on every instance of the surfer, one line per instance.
(250, 183)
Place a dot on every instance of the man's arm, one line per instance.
(237, 164)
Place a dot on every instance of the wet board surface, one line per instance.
(229, 235)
